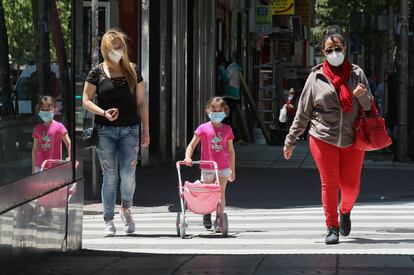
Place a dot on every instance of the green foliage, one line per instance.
(334, 12)
(21, 32)
(349, 15)
(64, 10)
(331, 12)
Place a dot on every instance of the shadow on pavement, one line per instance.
(270, 188)
(116, 262)
(382, 241)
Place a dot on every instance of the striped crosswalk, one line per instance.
(378, 228)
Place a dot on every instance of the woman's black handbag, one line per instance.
(89, 137)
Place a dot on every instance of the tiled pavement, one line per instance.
(267, 156)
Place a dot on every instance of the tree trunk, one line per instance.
(8, 150)
(65, 83)
(5, 88)
(43, 75)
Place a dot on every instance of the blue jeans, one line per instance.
(122, 144)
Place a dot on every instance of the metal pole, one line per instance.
(164, 47)
(184, 77)
(204, 51)
(95, 61)
(390, 60)
(144, 60)
(391, 31)
(403, 87)
(211, 48)
(179, 78)
(196, 65)
(175, 70)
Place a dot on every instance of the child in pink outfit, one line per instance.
(48, 135)
(216, 145)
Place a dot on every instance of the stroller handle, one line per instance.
(198, 162)
(49, 163)
(52, 161)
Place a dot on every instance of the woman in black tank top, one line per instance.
(120, 107)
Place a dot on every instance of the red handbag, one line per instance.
(370, 132)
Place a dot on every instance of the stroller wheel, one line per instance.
(219, 219)
(180, 225)
(177, 223)
(221, 224)
(224, 226)
(182, 231)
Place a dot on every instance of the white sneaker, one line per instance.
(109, 229)
(129, 225)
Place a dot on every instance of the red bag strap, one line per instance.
(373, 111)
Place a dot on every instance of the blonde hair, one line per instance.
(126, 66)
(217, 100)
(47, 101)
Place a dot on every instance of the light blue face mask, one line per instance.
(216, 116)
(46, 115)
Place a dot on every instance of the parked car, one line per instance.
(26, 92)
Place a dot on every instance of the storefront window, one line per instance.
(35, 42)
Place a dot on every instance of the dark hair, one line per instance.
(220, 101)
(332, 33)
(221, 59)
(46, 100)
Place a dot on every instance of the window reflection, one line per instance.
(48, 136)
(35, 36)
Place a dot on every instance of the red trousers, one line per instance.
(339, 168)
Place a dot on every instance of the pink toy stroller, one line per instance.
(200, 198)
(59, 199)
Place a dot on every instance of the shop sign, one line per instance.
(283, 7)
(263, 20)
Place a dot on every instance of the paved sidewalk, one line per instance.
(267, 156)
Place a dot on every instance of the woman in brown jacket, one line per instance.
(330, 101)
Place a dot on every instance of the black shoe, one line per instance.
(344, 223)
(207, 221)
(332, 237)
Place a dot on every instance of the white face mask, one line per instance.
(335, 58)
(115, 55)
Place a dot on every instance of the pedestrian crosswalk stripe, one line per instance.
(276, 217)
(229, 241)
(309, 232)
(275, 225)
(317, 212)
(376, 229)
